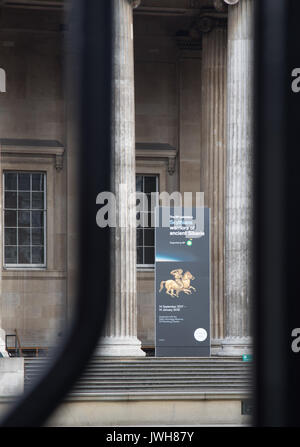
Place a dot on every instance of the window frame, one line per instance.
(17, 266)
(157, 176)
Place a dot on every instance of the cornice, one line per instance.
(156, 151)
(34, 148)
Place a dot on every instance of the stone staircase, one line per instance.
(158, 376)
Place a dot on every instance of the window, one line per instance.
(24, 219)
(145, 235)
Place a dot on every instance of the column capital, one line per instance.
(134, 3)
(204, 24)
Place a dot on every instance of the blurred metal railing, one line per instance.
(92, 40)
(277, 213)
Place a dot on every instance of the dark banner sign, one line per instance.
(182, 284)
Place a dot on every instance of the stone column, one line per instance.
(239, 178)
(120, 338)
(213, 162)
(3, 352)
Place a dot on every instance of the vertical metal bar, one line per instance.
(277, 215)
(292, 154)
(269, 219)
(93, 38)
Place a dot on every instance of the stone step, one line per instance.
(155, 374)
(156, 366)
(195, 379)
(172, 375)
(159, 382)
(243, 366)
(143, 361)
(150, 368)
(143, 387)
(149, 360)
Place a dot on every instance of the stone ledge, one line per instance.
(86, 397)
(134, 396)
(149, 412)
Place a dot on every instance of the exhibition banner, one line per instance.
(182, 282)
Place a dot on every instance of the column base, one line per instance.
(235, 346)
(216, 346)
(3, 352)
(119, 347)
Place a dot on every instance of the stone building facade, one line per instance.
(182, 98)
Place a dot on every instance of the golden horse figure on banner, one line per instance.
(180, 283)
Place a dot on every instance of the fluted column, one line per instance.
(239, 177)
(213, 159)
(3, 352)
(121, 329)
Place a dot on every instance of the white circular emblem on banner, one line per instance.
(200, 334)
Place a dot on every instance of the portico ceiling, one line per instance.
(147, 7)
(33, 4)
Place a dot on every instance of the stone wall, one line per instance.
(31, 52)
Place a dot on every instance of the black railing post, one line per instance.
(93, 38)
(277, 213)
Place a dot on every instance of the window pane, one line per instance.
(10, 236)
(143, 219)
(150, 184)
(37, 182)
(152, 219)
(38, 200)
(24, 236)
(10, 200)
(37, 218)
(149, 237)
(141, 201)
(37, 236)
(10, 254)
(139, 237)
(10, 181)
(24, 218)
(149, 255)
(24, 255)
(152, 202)
(10, 218)
(139, 183)
(148, 221)
(37, 255)
(139, 259)
(24, 200)
(24, 182)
